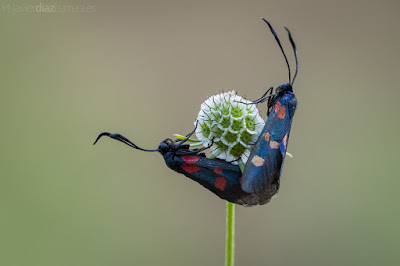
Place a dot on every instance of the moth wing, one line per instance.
(220, 177)
(264, 165)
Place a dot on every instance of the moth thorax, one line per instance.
(285, 87)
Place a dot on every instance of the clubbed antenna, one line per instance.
(295, 53)
(123, 140)
(280, 45)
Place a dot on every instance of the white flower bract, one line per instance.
(231, 124)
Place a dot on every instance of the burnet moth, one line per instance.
(220, 177)
(261, 176)
(263, 169)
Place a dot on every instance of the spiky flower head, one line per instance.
(231, 124)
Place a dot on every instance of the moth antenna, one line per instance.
(123, 140)
(279, 43)
(295, 53)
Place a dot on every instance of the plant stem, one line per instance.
(230, 226)
(230, 234)
(230, 229)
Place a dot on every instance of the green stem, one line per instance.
(230, 229)
(230, 226)
(230, 234)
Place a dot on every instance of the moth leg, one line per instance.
(188, 135)
(196, 150)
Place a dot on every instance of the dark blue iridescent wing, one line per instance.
(263, 168)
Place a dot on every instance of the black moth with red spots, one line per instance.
(220, 177)
(264, 166)
(261, 176)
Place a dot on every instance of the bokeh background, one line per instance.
(142, 69)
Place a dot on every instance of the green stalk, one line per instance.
(230, 225)
(230, 229)
(230, 234)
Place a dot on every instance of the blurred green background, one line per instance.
(142, 69)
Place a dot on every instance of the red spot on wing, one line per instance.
(190, 168)
(282, 112)
(218, 171)
(220, 183)
(240, 180)
(190, 158)
(277, 105)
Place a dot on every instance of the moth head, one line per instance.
(283, 88)
(165, 146)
